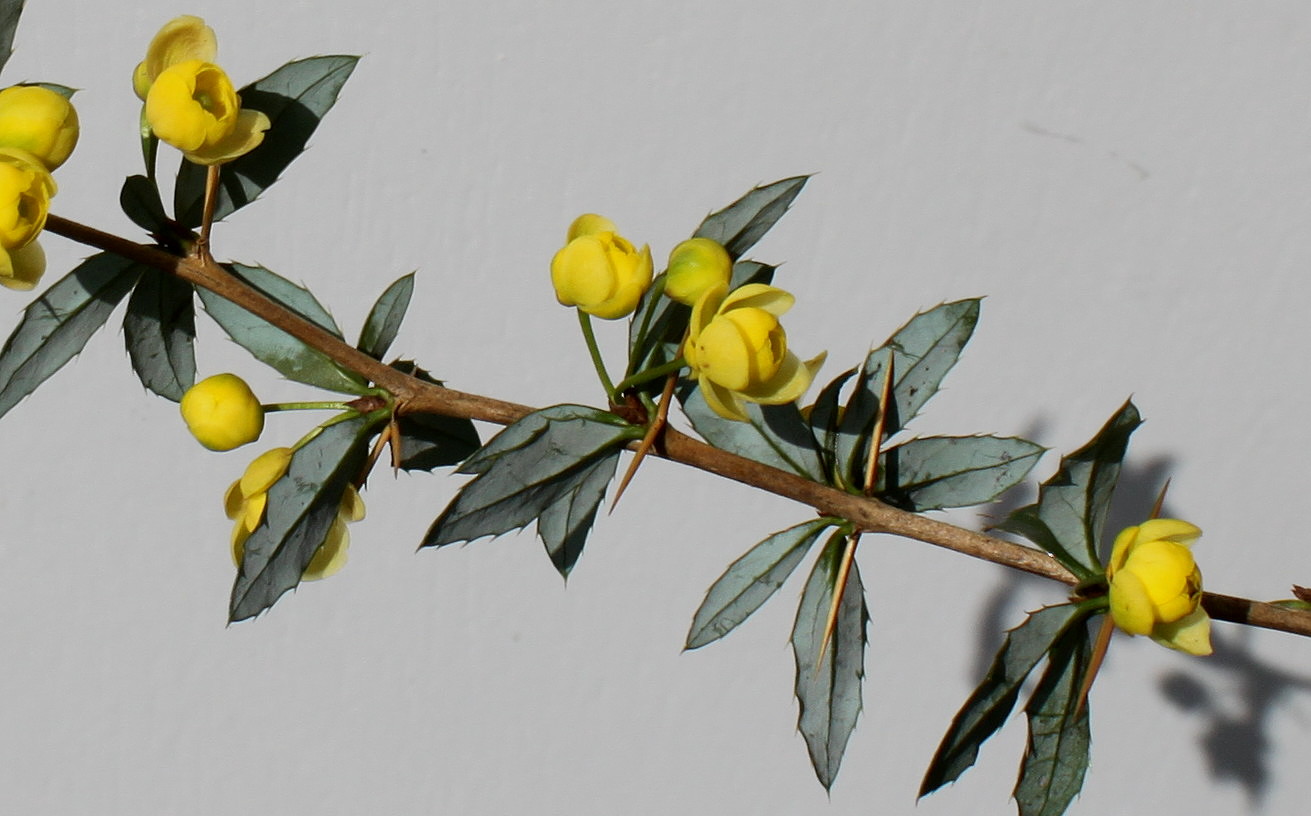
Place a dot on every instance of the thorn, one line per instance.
(839, 589)
(1095, 660)
(1160, 500)
(375, 452)
(876, 439)
(652, 433)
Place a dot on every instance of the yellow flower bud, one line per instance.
(222, 412)
(1156, 586)
(599, 271)
(738, 351)
(696, 265)
(25, 190)
(247, 498)
(193, 107)
(39, 121)
(181, 39)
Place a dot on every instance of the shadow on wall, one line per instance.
(1237, 694)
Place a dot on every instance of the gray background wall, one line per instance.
(1127, 183)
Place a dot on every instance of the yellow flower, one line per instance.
(247, 498)
(193, 107)
(696, 265)
(599, 271)
(25, 190)
(40, 121)
(181, 39)
(739, 352)
(222, 412)
(1156, 587)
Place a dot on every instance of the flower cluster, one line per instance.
(247, 499)
(189, 101)
(736, 348)
(1156, 587)
(38, 131)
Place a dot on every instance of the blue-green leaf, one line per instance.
(563, 525)
(58, 324)
(558, 455)
(385, 317)
(828, 688)
(744, 222)
(139, 198)
(1070, 514)
(273, 346)
(953, 471)
(295, 97)
(301, 508)
(923, 351)
(991, 703)
(775, 435)
(10, 10)
(160, 330)
(751, 580)
(1056, 758)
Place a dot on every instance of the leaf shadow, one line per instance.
(1237, 695)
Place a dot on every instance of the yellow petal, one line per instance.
(331, 556)
(581, 273)
(1120, 550)
(727, 349)
(721, 400)
(22, 268)
(791, 381)
(1130, 606)
(252, 511)
(352, 505)
(759, 296)
(704, 310)
(1165, 569)
(1169, 530)
(246, 135)
(589, 224)
(181, 39)
(232, 500)
(1191, 634)
(239, 536)
(267, 468)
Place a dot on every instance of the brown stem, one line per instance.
(415, 395)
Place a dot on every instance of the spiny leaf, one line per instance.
(160, 330)
(923, 351)
(934, 472)
(1057, 754)
(751, 580)
(828, 688)
(273, 346)
(744, 222)
(1070, 514)
(990, 704)
(139, 198)
(57, 325)
(558, 455)
(384, 320)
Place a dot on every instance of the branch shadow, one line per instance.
(1235, 741)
